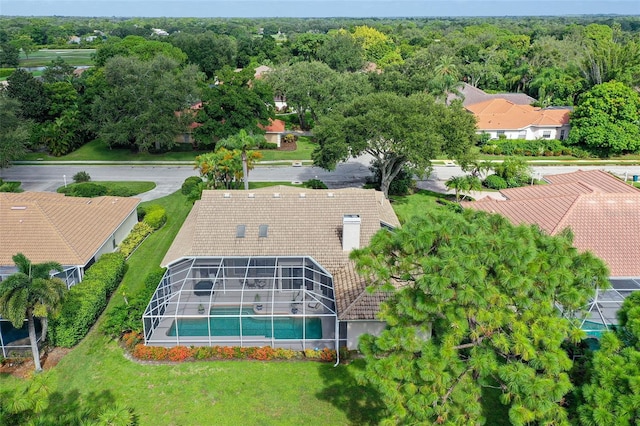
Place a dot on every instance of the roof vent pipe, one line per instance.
(350, 232)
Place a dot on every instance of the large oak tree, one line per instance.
(397, 131)
(138, 107)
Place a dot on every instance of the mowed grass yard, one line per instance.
(43, 57)
(97, 150)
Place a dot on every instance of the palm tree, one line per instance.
(463, 184)
(242, 141)
(31, 292)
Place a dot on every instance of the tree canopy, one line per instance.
(141, 105)
(475, 307)
(397, 131)
(612, 395)
(606, 120)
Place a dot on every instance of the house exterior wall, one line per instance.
(355, 329)
(530, 133)
(118, 236)
(273, 138)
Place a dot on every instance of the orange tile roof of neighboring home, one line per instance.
(599, 179)
(52, 227)
(600, 209)
(275, 126)
(546, 191)
(501, 114)
(547, 213)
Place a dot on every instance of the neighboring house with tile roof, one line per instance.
(72, 231)
(274, 131)
(603, 213)
(287, 246)
(504, 118)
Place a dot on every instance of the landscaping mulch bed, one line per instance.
(23, 367)
(288, 146)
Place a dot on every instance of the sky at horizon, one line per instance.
(315, 8)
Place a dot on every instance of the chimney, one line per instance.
(350, 232)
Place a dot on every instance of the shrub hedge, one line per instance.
(139, 232)
(538, 147)
(127, 317)
(86, 300)
(495, 182)
(190, 184)
(155, 216)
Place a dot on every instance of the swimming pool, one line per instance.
(252, 325)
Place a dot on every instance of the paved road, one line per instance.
(169, 178)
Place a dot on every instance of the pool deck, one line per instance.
(284, 304)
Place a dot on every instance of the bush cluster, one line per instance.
(265, 353)
(539, 147)
(315, 184)
(495, 182)
(85, 189)
(81, 177)
(267, 145)
(190, 184)
(86, 300)
(154, 215)
(127, 317)
(10, 186)
(137, 235)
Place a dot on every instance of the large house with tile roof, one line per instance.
(270, 267)
(72, 231)
(601, 211)
(504, 118)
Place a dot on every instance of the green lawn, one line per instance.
(43, 57)
(99, 151)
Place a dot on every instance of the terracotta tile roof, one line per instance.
(301, 222)
(604, 221)
(547, 191)
(603, 181)
(275, 126)
(52, 227)
(501, 114)
(547, 213)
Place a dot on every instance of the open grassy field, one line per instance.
(42, 58)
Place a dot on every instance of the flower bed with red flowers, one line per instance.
(131, 341)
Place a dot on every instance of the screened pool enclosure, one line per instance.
(243, 301)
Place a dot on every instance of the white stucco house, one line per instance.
(502, 118)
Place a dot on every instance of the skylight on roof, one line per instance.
(240, 229)
(263, 231)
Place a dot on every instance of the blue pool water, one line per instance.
(252, 325)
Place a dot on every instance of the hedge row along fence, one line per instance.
(86, 300)
(127, 317)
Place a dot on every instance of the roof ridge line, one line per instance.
(567, 213)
